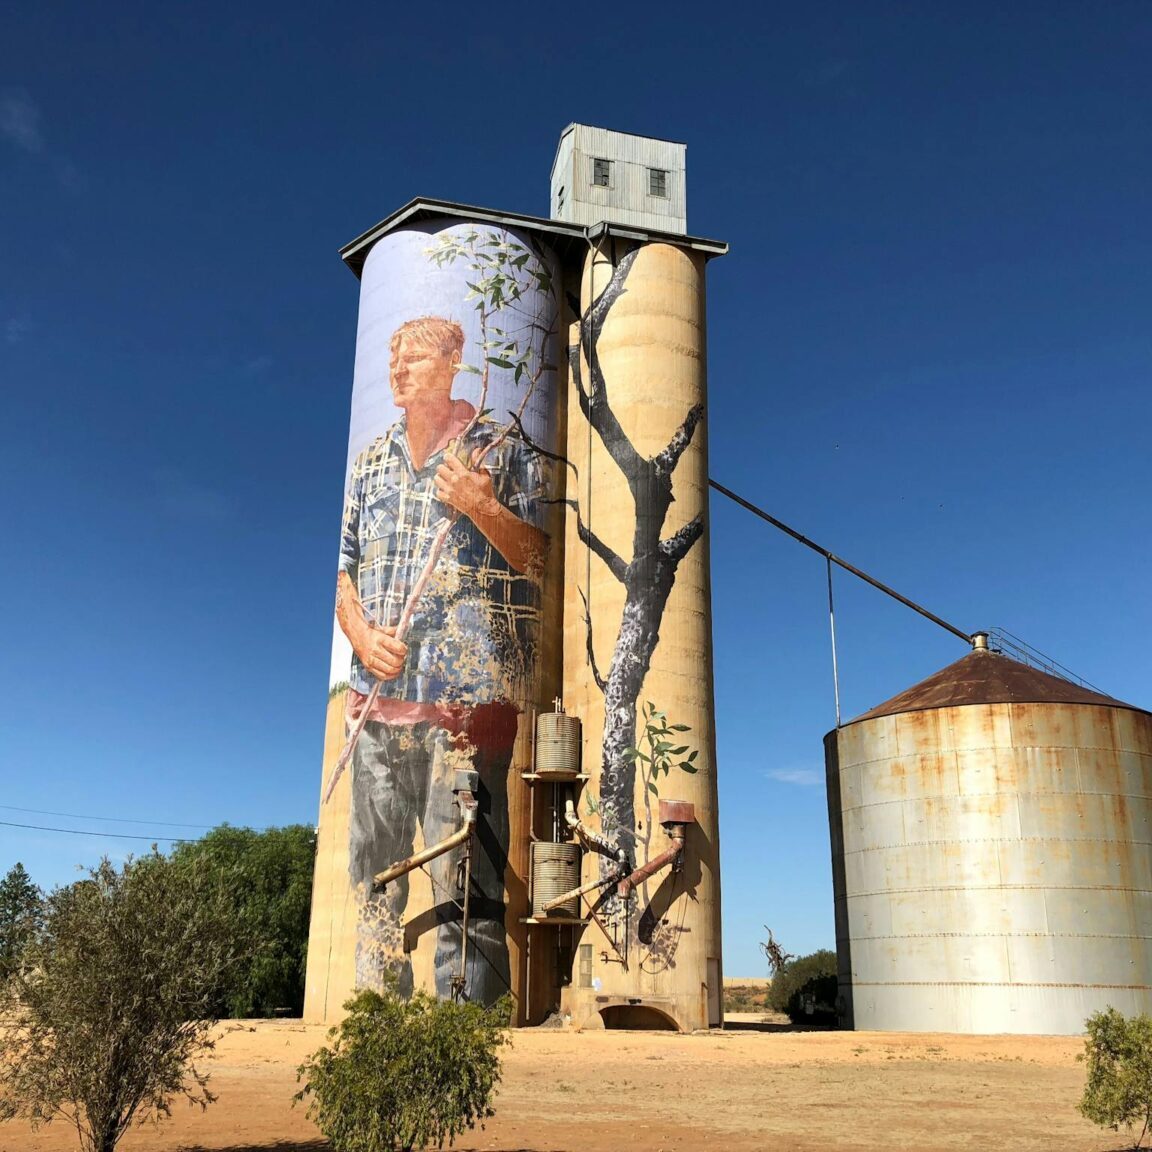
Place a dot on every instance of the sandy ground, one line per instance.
(752, 1086)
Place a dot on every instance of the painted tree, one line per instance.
(648, 577)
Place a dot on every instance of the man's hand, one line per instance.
(380, 652)
(468, 491)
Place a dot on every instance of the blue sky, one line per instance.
(929, 349)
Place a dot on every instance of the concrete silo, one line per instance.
(991, 835)
(525, 523)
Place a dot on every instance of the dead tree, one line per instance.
(647, 577)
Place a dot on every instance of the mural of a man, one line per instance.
(449, 685)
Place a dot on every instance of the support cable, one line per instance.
(832, 558)
(832, 627)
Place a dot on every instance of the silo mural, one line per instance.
(445, 538)
(638, 659)
(519, 790)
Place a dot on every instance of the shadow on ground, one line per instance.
(302, 1146)
(275, 1146)
(766, 1026)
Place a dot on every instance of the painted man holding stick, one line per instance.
(438, 594)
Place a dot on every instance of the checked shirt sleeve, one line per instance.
(521, 482)
(350, 528)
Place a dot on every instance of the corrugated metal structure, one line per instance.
(992, 854)
(599, 175)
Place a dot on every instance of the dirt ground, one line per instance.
(752, 1086)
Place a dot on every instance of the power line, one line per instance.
(110, 819)
(96, 832)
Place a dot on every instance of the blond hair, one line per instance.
(445, 336)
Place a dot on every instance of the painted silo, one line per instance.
(448, 614)
(991, 835)
(637, 640)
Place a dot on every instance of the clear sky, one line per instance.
(929, 349)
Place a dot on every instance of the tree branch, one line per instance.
(589, 538)
(601, 683)
(600, 307)
(667, 459)
(597, 411)
(542, 451)
(578, 376)
(677, 546)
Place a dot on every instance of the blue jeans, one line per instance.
(402, 775)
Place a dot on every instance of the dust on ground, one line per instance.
(755, 1085)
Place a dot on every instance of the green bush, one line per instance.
(112, 1003)
(403, 1074)
(807, 981)
(21, 918)
(1118, 1052)
(267, 878)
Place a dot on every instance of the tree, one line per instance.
(806, 988)
(267, 878)
(21, 913)
(116, 1000)
(403, 1074)
(777, 957)
(1118, 1052)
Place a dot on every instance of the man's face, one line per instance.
(420, 373)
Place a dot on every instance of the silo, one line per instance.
(991, 834)
(597, 893)
(448, 611)
(637, 638)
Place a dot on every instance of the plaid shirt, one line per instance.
(474, 632)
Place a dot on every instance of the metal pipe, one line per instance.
(461, 980)
(403, 867)
(669, 856)
(590, 886)
(594, 839)
(834, 559)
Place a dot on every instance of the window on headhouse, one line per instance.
(657, 182)
(601, 172)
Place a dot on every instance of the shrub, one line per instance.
(403, 1074)
(21, 914)
(807, 981)
(1118, 1052)
(267, 877)
(112, 1004)
(744, 998)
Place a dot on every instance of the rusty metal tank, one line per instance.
(991, 835)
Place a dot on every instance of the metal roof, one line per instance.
(566, 239)
(986, 677)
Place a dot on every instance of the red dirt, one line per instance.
(740, 1089)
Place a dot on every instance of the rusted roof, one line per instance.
(986, 677)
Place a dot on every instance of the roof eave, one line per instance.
(356, 251)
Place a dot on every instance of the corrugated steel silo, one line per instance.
(991, 837)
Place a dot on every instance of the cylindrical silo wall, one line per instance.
(993, 866)
(637, 627)
(448, 614)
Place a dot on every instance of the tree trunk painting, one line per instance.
(647, 577)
